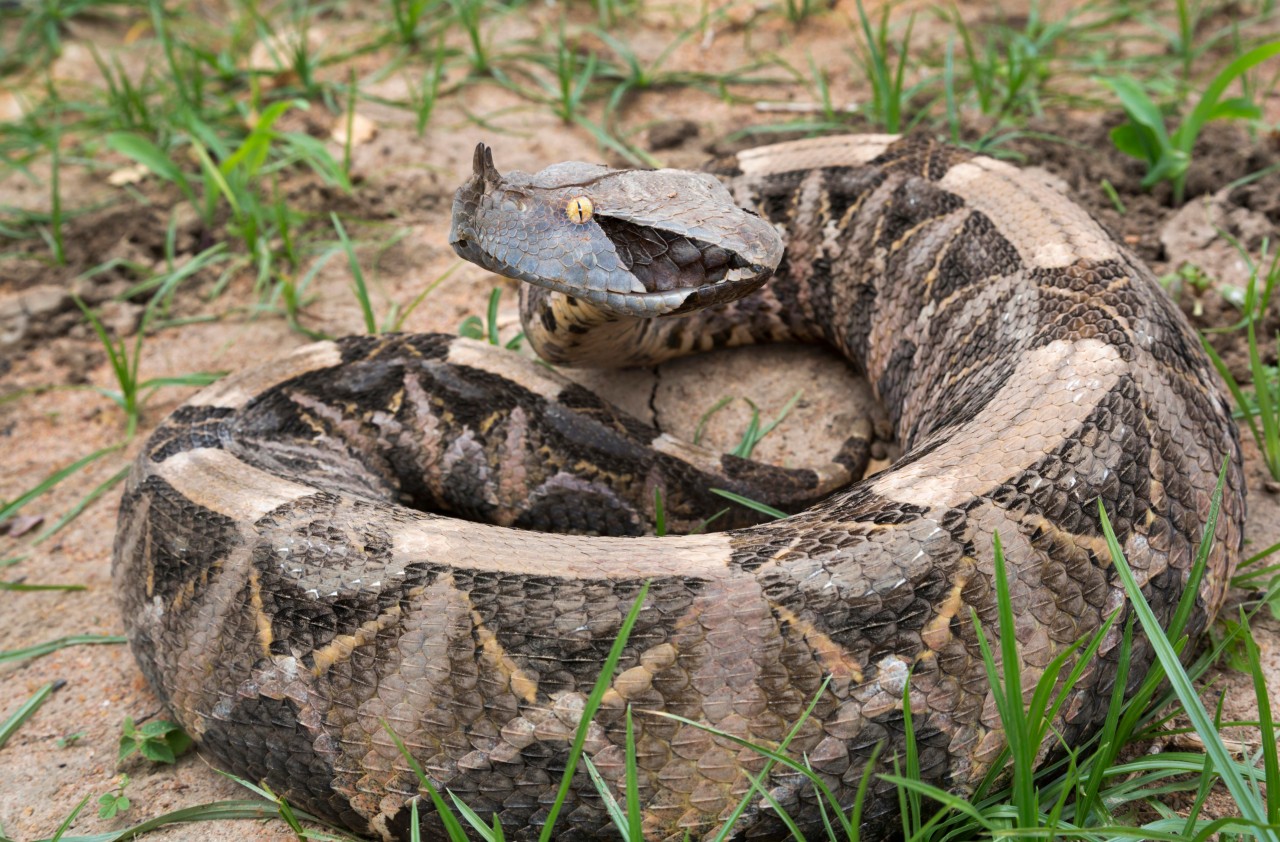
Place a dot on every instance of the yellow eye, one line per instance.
(579, 209)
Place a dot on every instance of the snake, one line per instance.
(391, 554)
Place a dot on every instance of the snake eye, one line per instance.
(579, 209)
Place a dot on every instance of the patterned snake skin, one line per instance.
(286, 591)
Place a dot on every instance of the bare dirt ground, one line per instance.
(404, 184)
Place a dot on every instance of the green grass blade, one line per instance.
(11, 508)
(214, 811)
(284, 810)
(757, 785)
(1013, 714)
(10, 726)
(1139, 107)
(214, 174)
(398, 324)
(1236, 392)
(24, 587)
(777, 757)
(451, 824)
(1266, 408)
(1186, 603)
(116, 355)
(635, 811)
(1108, 747)
(616, 815)
(60, 833)
(1202, 794)
(751, 435)
(1266, 726)
(84, 503)
(589, 710)
(946, 799)
(757, 433)
(1245, 799)
(357, 275)
(860, 797)
(1186, 134)
(487, 832)
(491, 315)
(911, 816)
(659, 513)
(152, 157)
(755, 505)
(706, 416)
(43, 649)
(732, 819)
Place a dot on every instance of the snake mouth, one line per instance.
(664, 260)
(670, 272)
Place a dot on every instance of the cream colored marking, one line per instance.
(189, 589)
(1049, 395)
(260, 618)
(1048, 230)
(148, 551)
(937, 632)
(340, 648)
(523, 684)
(485, 357)
(236, 390)
(474, 546)
(831, 655)
(1095, 544)
(839, 151)
(218, 481)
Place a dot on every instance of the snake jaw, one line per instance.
(638, 243)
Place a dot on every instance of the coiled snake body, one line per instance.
(286, 592)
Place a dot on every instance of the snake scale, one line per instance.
(347, 536)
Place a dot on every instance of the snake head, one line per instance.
(639, 243)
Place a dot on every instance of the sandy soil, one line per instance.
(404, 186)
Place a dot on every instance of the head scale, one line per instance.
(633, 242)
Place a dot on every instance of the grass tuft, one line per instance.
(1252, 809)
(1168, 156)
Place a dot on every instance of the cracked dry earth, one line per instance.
(404, 185)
